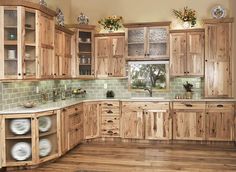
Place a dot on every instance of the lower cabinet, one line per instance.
(188, 121)
(91, 120)
(220, 119)
(146, 120)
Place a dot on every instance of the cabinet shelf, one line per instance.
(18, 137)
(29, 28)
(10, 59)
(29, 59)
(30, 44)
(47, 133)
(85, 42)
(10, 27)
(84, 52)
(85, 64)
(10, 42)
(133, 43)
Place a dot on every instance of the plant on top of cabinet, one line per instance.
(147, 41)
(111, 24)
(187, 52)
(218, 61)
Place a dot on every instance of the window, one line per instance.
(143, 74)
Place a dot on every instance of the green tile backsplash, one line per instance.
(13, 94)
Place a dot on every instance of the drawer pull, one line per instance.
(109, 111)
(220, 106)
(188, 105)
(109, 104)
(110, 132)
(110, 121)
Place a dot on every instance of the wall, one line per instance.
(140, 10)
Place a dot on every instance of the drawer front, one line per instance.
(145, 105)
(111, 104)
(189, 105)
(220, 106)
(110, 111)
(110, 122)
(110, 132)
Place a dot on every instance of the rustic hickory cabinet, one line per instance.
(188, 121)
(218, 60)
(63, 56)
(187, 52)
(147, 41)
(146, 120)
(109, 55)
(220, 119)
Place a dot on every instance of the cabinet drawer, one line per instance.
(110, 104)
(110, 132)
(189, 105)
(145, 105)
(113, 121)
(110, 111)
(220, 106)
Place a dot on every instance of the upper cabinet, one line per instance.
(147, 41)
(187, 52)
(218, 61)
(109, 55)
(83, 51)
(26, 41)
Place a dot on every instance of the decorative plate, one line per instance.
(45, 123)
(45, 147)
(20, 126)
(21, 151)
(83, 19)
(218, 12)
(60, 17)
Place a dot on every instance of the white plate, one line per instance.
(45, 123)
(45, 147)
(218, 12)
(20, 126)
(21, 151)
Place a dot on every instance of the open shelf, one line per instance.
(47, 133)
(10, 42)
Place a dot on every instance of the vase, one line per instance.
(189, 95)
(186, 24)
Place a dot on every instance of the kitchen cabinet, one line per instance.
(147, 41)
(110, 119)
(63, 56)
(187, 52)
(218, 60)
(140, 120)
(91, 120)
(109, 55)
(189, 121)
(220, 119)
(83, 51)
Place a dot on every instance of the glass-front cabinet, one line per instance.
(18, 47)
(148, 41)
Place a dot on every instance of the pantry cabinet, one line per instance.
(63, 57)
(147, 41)
(188, 121)
(91, 120)
(109, 55)
(187, 52)
(220, 119)
(218, 60)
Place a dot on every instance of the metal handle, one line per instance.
(220, 106)
(109, 111)
(110, 121)
(188, 105)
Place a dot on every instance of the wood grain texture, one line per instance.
(127, 157)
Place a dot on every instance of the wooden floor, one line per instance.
(133, 157)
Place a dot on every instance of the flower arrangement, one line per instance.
(187, 15)
(111, 23)
(188, 87)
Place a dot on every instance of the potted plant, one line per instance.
(111, 24)
(188, 17)
(188, 88)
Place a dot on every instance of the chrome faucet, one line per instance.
(149, 90)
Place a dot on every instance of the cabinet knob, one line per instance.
(76, 109)
(19, 74)
(24, 74)
(55, 74)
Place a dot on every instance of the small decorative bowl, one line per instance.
(29, 104)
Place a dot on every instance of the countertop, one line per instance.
(59, 104)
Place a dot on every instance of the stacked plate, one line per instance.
(20, 126)
(21, 151)
(45, 124)
(45, 147)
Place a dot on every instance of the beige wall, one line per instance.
(140, 10)
(64, 5)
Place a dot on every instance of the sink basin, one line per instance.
(147, 98)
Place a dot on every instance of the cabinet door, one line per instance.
(46, 63)
(158, 42)
(117, 61)
(91, 120)
(178, 49)
(217, 79)
(66, 62)
(220, 122)
(102, 54)
(59, 52)
(157, 125)
(195, 54)
(189, 125)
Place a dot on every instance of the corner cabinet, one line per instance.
(109, 55)
(187, 52)
(83, 51)
(147, 41)
(26, 42)
(218, 60)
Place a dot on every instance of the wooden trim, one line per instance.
(64, 29)
(28, 4)
(146, 24)
(215, 21)
(2, 43)
(187, 30)
(81, 26)
(109, 34)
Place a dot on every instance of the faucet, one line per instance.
(54, 94)
(149, 90)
